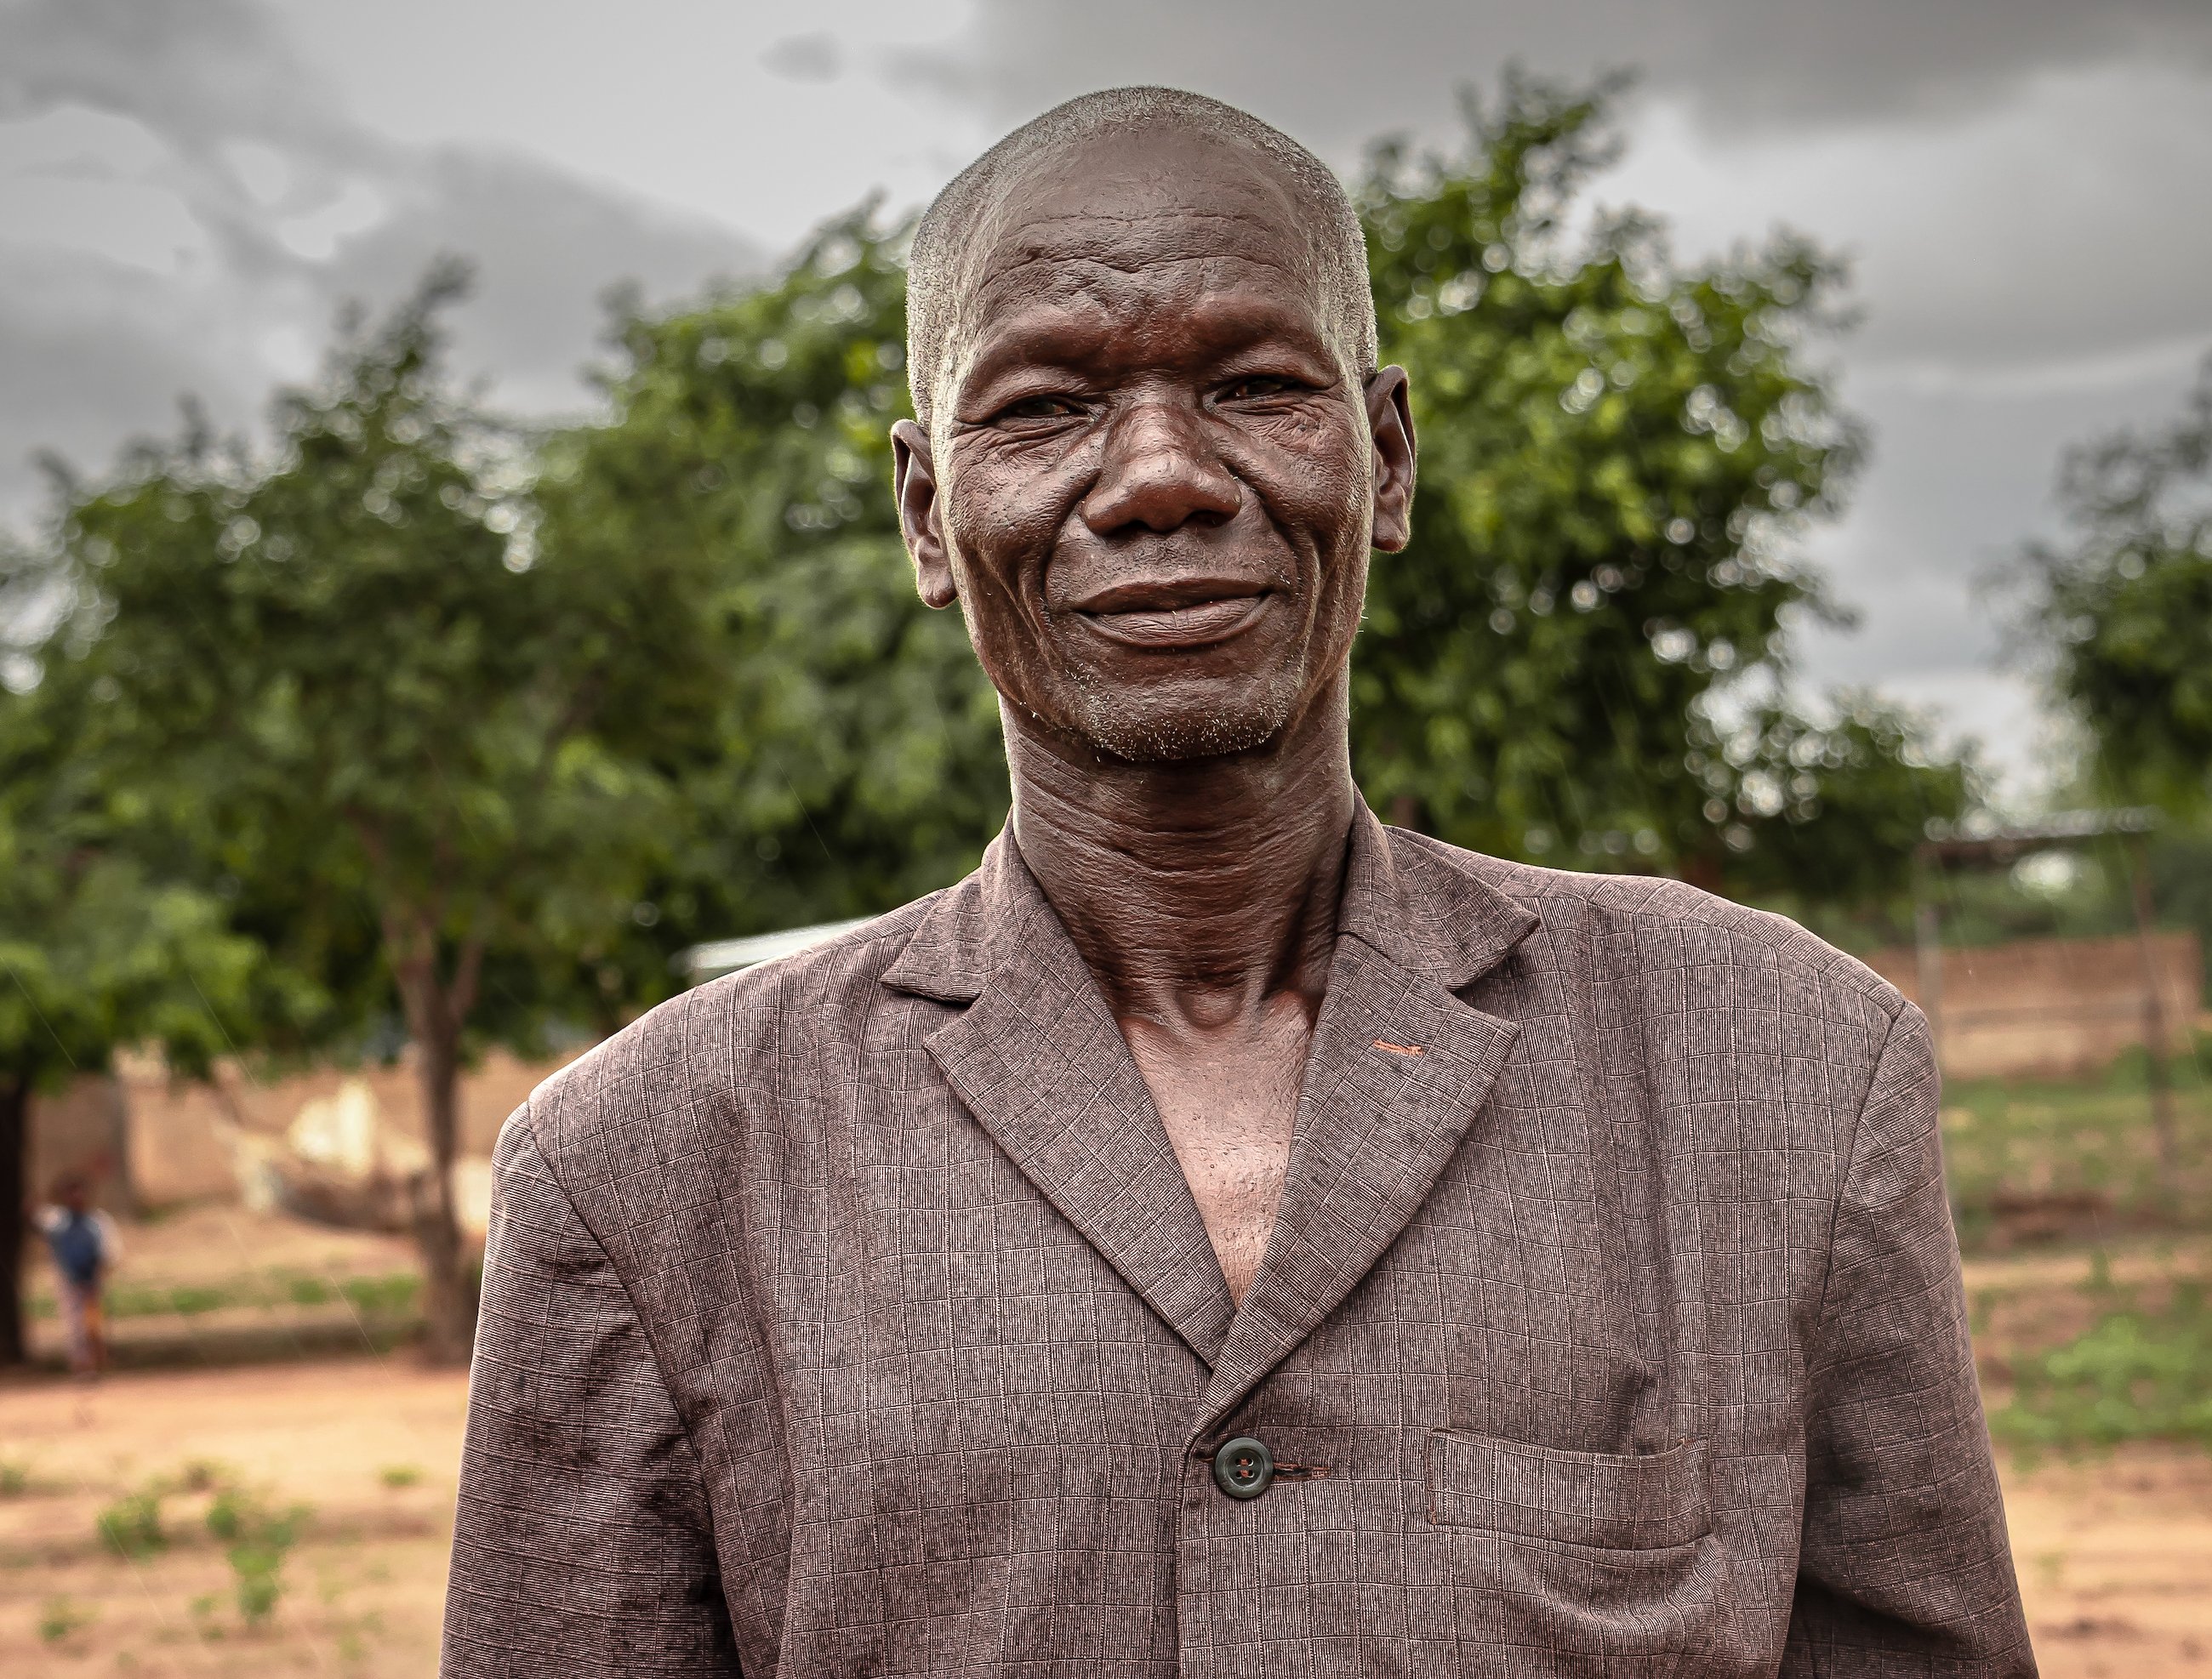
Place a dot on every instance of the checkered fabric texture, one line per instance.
(852, 1315)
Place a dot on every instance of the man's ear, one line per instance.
(913, 484)
(1390, 419)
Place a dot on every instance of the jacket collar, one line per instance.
(1397, 1069)
(1419, 903)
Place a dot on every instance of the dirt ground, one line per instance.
(371, 1444)
(2115, 1556)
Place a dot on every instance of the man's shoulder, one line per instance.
(1652, 924)
(722, 1031)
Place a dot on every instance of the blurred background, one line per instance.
(450, 602)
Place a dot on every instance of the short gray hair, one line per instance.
(939, 267)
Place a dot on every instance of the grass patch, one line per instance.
(391, 1296)
(256, 1534)
(58, 1618)
(126, 1299)
(383, 1296)
(399, 1475)
(2141, 1370)
(256, 1537)
(2037, 1160)
(131, 1526)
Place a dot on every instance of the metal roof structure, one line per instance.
(1998, 847)
(702, 962)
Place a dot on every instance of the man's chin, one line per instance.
(1164, 732)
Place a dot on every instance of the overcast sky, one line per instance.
(189, 188)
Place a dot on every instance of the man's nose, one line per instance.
(1159, 473)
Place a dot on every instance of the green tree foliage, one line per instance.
(2120, 618)
(413, 741)
(853, 759)
(1578, 658)
(96, 952)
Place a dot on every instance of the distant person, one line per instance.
(82, 1244)
(1224, 1236)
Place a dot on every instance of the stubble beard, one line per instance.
(1105, 719)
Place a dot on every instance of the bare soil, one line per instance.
(2115, 1556)
(371, 1446)
(2115, 1561)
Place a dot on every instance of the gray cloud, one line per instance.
(1741, 61)
(2008, 175)
(198, 74)
(815, 58)
(187, 205)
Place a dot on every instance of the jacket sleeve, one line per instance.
(582, 1543)
(1904, 1567)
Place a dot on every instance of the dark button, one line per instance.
(1244, 1468)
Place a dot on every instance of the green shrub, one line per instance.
(188, 1300)
(58, 1618)
(2034, 1161)
(373, 1295)
(2138, 1372)
(132, 1525)
(257, 1536)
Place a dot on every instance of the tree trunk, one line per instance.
(448, 1304)
(15, 1161)
(436, 1010)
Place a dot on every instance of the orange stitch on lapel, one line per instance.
(1398, 1049)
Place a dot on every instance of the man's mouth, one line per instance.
(1178, 616)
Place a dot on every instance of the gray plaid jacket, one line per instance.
(852, 1315)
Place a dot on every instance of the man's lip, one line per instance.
(1195, 623)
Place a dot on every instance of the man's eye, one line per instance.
(1260, 384)
(1040, 408)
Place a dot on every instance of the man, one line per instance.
(1222, 1236)
(82, 1245)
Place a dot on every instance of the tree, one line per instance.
(853, 759)
(2119, 619)
(1584, 652)
(95, 953)
(384, 718)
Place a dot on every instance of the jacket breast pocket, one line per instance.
(1609, 1563)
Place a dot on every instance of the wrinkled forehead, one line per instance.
(1157, 211)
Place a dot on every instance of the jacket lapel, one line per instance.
(1398, 1068)
(1037, 1059)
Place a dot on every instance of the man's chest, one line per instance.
(1228, 1101)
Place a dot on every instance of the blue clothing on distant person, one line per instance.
(79, 1244)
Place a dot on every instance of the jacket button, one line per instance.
(1244, 1468)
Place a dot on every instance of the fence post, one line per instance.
(2160, 1076)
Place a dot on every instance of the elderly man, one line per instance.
(1223, 1235)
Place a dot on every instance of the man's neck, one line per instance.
(1195, 891)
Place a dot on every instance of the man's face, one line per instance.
(1154, 476)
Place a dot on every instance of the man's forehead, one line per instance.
(1137, 201)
